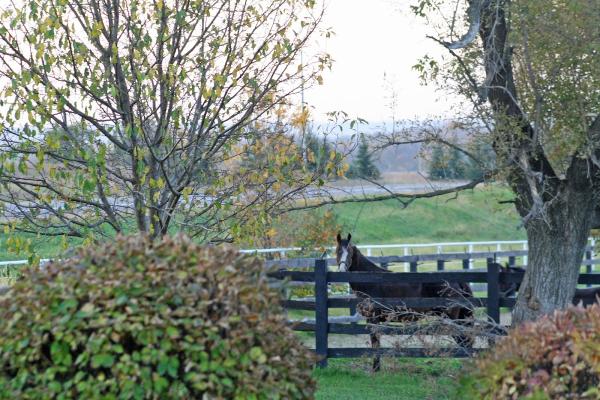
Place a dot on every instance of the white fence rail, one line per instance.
(498, 245)
(406, 249)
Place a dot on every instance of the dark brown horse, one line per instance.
(586, 296)
(350, 259)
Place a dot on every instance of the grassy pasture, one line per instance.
(473, 215)
(403, 378)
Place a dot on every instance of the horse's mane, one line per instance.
(364, 264)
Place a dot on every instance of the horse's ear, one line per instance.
(339, 237)
(349, 237)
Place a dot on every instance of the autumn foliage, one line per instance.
(140, 320)
(556, 357)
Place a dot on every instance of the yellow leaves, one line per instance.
(343, 169)
(281, 112)
(157, 183)
(96, 29)
(79, 59)
(40, 48)
(300, 118)
(115, 53)
(219, 80)
(40, 160)
(271, 232)
(186, 193)
(64, 242)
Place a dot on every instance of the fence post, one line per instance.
(440, 265)
(465, 263)
(321, 311)
(588, 267)
(525, 257)
(493, 291)
(593, 244)
(406, 265)
(413, 266)
(470, 252)
(512, 261)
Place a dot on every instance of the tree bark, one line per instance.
(557, 244)
(557, 212)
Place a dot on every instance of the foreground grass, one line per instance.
(404, 378)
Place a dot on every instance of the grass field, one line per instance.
(474, 215)
(470, 216)
(400, 379)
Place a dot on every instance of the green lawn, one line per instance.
(405, 378)
(473, 215)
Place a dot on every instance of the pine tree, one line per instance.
(484, 152)
(318, 152)
(456, 165)
(363, 166)
(437, 166)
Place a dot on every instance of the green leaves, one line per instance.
(103, 360)
(257, 355)
(60, 353)
(168, 366)
(194, 322)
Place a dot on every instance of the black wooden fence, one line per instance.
(321, 277)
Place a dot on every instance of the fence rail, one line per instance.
(322, 302)
(406, 249)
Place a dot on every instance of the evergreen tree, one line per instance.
(484, 152)
(456, 165)
(453, 164)
(362, 166)
(437, 165)
(318, 151)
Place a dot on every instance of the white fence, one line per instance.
(408, 249)
(405, 249)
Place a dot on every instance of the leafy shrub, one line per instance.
(141, 320)
(556, 357)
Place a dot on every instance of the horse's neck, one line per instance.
(362, 263)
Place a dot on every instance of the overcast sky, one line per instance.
(374, 38)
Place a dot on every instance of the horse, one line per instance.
(586, 296)
(350, 259)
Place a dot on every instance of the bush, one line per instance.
(137, 320)
(556, 357)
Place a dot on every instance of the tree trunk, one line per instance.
(556, 247)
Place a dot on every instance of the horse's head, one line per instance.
(344, 253)
(509, 288)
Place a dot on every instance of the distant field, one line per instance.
(471, 216)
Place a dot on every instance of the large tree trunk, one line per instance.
(557, 245)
